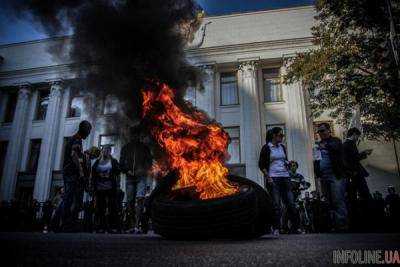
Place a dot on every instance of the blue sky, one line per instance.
(14, 30)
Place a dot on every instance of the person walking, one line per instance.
(273, 164)
(73, 176)
(329, 167)
(105, 175)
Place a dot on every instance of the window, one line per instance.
(229, 89)
(110, 140)
(3, 152)
(110, 105)
(10, 107)
(270, 126)
(272, 86)
(234, 146)
(34, 153)
(191, 95)
(75, 105)
(42, 104)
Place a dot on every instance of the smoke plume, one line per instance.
(121, 45)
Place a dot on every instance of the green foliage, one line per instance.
(352, 65)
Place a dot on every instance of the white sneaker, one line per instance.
(275, 232)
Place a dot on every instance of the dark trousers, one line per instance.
(72, 201)
(281, 191)
(56, 219)
(359, 185)
(105, 209)
(359, 208)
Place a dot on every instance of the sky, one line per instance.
(14, 30)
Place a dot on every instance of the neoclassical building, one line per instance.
(243, 57)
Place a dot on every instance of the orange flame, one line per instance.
(195, 147)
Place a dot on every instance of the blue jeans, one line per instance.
(335, 192)
(281, 191)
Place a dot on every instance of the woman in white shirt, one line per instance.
(273, 164)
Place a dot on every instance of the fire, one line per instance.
(194, 146)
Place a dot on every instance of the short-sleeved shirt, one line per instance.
(74, 144)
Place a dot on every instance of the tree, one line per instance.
(353, 64)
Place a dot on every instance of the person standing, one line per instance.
(330, 170)
(73, 176)
(105, 175)
(357, 183)
(273, 164)
(135, 162)
(353, 166)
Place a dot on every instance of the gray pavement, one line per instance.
(36, 249)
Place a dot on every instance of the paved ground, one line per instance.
(30, 249)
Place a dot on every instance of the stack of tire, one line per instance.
(244, 215)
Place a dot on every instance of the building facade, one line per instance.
(243, 58)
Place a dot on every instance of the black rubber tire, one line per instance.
(244, 215)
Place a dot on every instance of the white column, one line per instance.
(60, 143)
(49, 144)
(250, 118)
(299, 123)
(13, 156)
(205, 99)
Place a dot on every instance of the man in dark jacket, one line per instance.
(136, 161)
(356, 171)
(357, 183)
(329, 166)
(73, 176)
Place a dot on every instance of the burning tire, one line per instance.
(246, 214)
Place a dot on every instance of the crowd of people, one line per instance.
(343, 202)
(97, 173)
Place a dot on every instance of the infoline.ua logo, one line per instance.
(366, 257)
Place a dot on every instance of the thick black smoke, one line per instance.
(121, 45)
